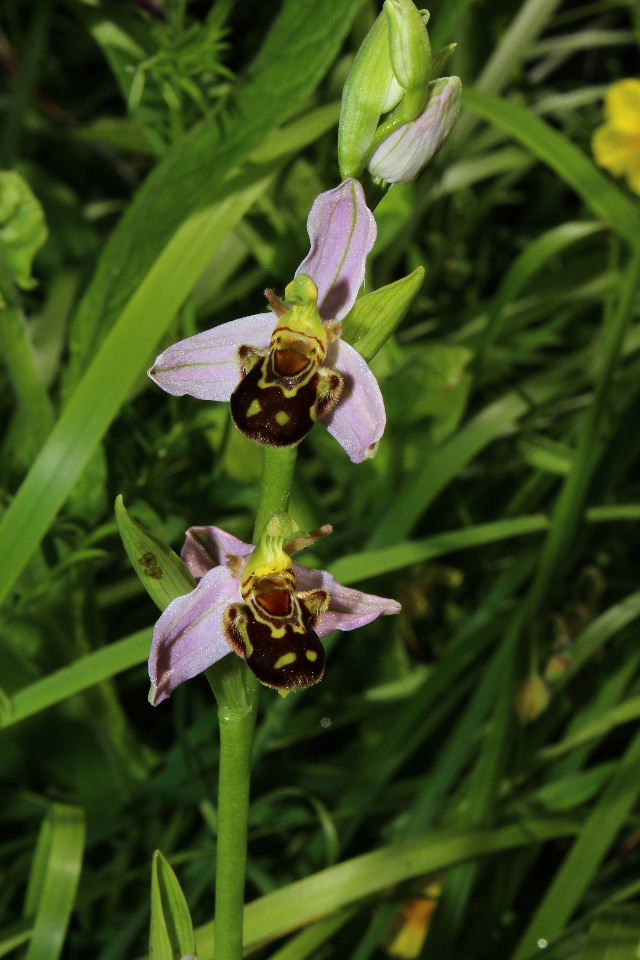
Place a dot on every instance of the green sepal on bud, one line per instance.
(391, 70)
(375, 316)
(410, 52)
(161, 571)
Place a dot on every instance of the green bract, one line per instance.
(390, 72)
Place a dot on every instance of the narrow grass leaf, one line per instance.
(564, 894)
(54, 880)
(80, 675)
(443, 464)
(332, 889)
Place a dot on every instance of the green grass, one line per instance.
(502, 509)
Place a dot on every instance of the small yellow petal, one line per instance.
(615, 150)
(622, 107)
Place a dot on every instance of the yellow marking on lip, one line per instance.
(311, 655)
(285, 660)
(282, 418)
(254, 407)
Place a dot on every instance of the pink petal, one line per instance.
(206, 365)
(342, 231)
(359, 419)
(408, 149)
(348, 608)
(209, 547)
(189, 637)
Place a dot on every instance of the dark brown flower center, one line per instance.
(275, 602)
(290, 362)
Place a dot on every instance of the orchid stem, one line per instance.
(236, 691)
(278, 465)
(235, 688)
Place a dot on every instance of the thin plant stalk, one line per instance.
(236, 690)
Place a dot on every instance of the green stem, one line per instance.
(235, 688)
(278, 465)
(236, 691)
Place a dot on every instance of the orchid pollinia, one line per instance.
(259, 603)
(286, 369)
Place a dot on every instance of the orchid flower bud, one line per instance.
(390, 72)
(410, 53)
(370, 90)
(403, 154)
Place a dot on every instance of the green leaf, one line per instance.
(159, 250)
(375, 316)
(99, 395)
(577, 170)
(329, 890)
(161, 571)
(54, 879)
(22, 230)
(433, 382)
(564, 894)
(79, 675)
(171, 931)
(613, 936)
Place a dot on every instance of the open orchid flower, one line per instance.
(259, 603)
(286, 369)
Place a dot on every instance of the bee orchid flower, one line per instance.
(286, 369)
(260, 604)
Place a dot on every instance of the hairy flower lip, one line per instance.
(342, 232)
(188, 637)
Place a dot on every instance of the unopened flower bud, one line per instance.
(410, 51)
(532, 698)
(408, 149)
(369, 91)
(390, 72)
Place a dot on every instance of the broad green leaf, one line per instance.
(171, 931)
(54, 880)
(602, 196)
(161, 571)
(22, 231)
(375, 316)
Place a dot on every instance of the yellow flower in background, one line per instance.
(616, 144)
